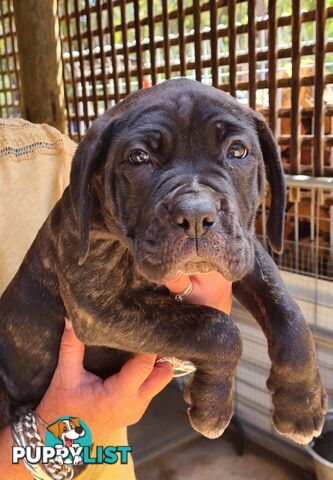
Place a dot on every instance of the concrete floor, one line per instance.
(202, 459)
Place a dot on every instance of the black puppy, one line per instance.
(167, 181)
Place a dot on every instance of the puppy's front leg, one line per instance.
(154, 323)
(299, 398)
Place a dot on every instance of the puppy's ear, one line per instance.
(275, 177)
(55, 428)
(75, 421)
(89, 157)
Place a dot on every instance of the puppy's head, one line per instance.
(67, 430)
(176, 173)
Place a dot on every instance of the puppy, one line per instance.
(167, 181)
(67, 431)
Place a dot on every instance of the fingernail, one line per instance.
(164, 360)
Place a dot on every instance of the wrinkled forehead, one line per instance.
(185, 116)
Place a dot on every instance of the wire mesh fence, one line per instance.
(308, 236)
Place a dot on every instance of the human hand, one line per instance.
(106, 405)
(209, 289)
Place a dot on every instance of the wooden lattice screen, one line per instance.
(277, 56)
(9, 69)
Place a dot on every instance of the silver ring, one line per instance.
(182, 296)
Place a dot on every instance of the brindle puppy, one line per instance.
(167, 181)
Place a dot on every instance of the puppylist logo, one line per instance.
(68, 440)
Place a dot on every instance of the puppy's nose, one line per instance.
(78, 429)
(195, 216)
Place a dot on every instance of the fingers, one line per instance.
(133, 374)
(209, 289)
(161, 375)
(178, 284)
(70, 361)
(213, 290)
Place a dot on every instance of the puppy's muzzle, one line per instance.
(194, 214)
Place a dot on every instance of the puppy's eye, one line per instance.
(65, 429)
(237, 150)
(138, 157)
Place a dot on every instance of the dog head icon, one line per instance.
(67, 430)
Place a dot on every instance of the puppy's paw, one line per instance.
(299, 408)
(211, 423)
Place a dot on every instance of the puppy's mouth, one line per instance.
(68, 441)
(232, 259)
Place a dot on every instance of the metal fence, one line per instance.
(308, 237)
(307, 269)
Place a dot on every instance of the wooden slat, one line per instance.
(102, 53)
(252, 52)
(113, 52)
(213, 42)
(318, 152)
(166, 41)
(82, 72)
(197, 39)
(125, 45)
(181, 38)
(91, 59)
(73, 76)
(152, 50)
(67, 105)
(272, 62)
(295, 153)
(232, 46)
(138, 44)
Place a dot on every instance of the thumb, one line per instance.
(157, 380)
(178, 284)
(132, 374)
(70, 361)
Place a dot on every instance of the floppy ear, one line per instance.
(89, 157)
(275, 177)
(75, 421)
(54, 429)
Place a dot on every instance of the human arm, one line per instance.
(107, 405)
